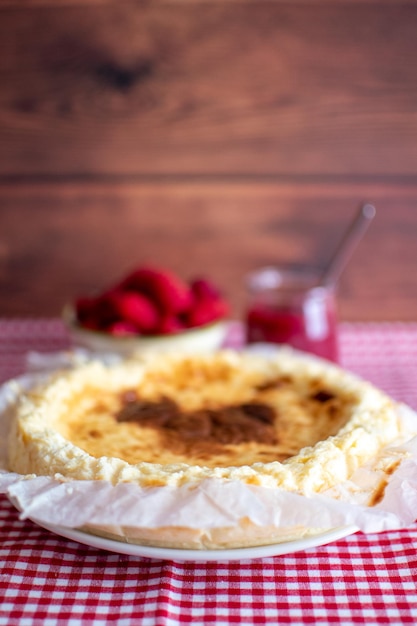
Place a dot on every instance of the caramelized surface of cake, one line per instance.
(239, 419)
(286, 421)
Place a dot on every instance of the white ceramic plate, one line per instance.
(171, 554)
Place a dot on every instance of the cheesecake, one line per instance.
(281, 421)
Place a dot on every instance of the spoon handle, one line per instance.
(347, 245)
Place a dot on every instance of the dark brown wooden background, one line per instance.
(209, 137)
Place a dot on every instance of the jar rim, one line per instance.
(271, 278)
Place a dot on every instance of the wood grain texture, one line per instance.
(223, 88)
(71, 239)
(210, 137)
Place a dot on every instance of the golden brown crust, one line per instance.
(244, 535)
(326, 422)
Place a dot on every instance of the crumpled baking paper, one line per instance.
(214, 503)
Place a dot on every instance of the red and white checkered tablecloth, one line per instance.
(362, 579)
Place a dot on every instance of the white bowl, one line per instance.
(201, 339)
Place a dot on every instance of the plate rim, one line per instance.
(196, 555)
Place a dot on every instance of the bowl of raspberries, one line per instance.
(150, 309)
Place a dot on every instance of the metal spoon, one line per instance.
(347, 245)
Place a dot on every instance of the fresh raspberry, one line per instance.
(202, 288)
(92, 324)
(207, 306)
(122, 329)
(95, 312)
(84, 309)
(170, 325)
(205, 311)
(136, 309)
(171, 295)
(151, 300)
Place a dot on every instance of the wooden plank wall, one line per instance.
(210, 137)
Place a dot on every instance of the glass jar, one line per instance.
(289, 307)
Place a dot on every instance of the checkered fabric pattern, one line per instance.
(362, 579)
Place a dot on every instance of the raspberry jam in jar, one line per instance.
(289, 307)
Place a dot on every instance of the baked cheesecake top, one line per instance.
(285, 420)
